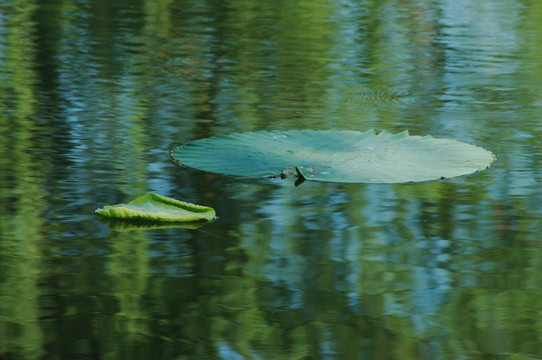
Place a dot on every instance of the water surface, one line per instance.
(93, 95)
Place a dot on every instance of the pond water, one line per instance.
(94, 94)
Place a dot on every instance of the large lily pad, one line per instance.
(158, 209)
(335, 156)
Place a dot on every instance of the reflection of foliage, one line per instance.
(21, 212)
(420, 271)
(125, 334)
(490, 321)
(386, 293)
(20, 333)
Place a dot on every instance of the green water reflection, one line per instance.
(94, 93)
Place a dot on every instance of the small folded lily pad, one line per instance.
(154, 208)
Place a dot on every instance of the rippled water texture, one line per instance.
(94, 94)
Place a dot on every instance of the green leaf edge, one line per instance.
(188, 212)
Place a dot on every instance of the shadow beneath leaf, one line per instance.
(131, 224)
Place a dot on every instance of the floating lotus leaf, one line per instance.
(154, 208)
(335, 156)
